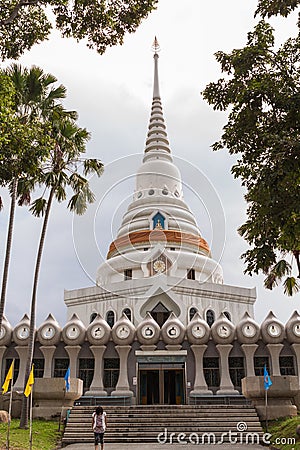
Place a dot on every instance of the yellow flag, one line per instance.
(8, 378)
(30, 383)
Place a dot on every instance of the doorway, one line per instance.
(161, 384)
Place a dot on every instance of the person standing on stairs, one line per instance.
(99, 424)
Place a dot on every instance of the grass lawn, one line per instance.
(44, 435)
(283, 430)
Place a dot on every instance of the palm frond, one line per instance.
(281, 268)
(38, 207)
(78, 202)
(93, 166)
(77, 181)
(57, 93)
(50, 178)
(270, 281)
(25, 185)
(60, 193)
(291, 286)
(24, 199)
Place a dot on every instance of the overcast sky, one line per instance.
(112, 94)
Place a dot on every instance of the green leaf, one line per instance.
(78, 202)
(270, 281)
(291, 286)
(93, 166)
(60, 193)
(281, 268)
(38, 207)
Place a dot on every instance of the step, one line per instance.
(144, 423)
(204, 438)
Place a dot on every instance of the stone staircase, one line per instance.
(143, 424)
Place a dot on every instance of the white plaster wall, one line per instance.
(184, 293)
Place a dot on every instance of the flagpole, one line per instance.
(9, 379)
(267, 384)
(62, 409)
(266, 405)
(66, 389)
(30, 421)
(9, 414)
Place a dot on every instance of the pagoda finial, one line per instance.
(155, 46)
(156, 49)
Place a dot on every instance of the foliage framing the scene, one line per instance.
(102, 23)
(262, 90)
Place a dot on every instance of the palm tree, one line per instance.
(59, 171)
(34, 97)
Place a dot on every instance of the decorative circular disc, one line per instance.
(72, 332)
(148, 331)
(224, 331)
(198, 331)
(48, 332)
(296, 329)
(97, 332)
(274, 330)
(122, 332)
(249, 330)
(23, 332)
(173, 331)
(159, 266)
(2, 332)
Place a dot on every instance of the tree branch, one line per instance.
(16, 10)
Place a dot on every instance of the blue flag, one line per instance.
(67, 379)
(267, 379)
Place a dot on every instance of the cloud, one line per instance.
(112, 94)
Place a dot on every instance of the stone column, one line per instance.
(2, 351)
(249, 351)
(122, 387)
(96, 387)
(48, 352)
(274, 350)
(226, 386)
(200, 385)
(73, 351)
(296, 348)
(22, 352)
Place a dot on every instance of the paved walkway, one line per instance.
(164, 447)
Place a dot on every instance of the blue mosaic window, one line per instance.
(158, 221)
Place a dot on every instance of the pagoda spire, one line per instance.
(156, 49)
(157, 139)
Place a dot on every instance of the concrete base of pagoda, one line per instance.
(122, 393)
(200, 393)
(50, 396)
(227, 391)
(280, 395)
(96, 393)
